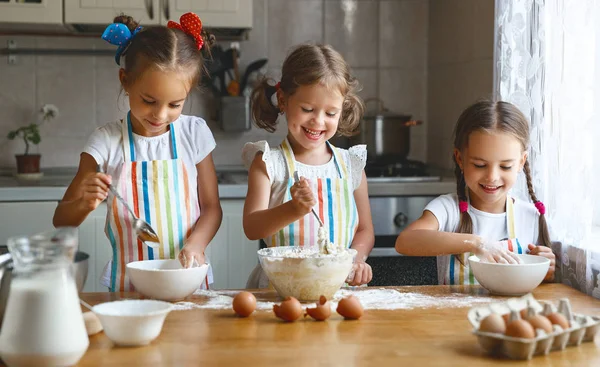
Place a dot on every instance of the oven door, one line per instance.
(390, 216)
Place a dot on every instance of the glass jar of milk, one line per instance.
(43, 324)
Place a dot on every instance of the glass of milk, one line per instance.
(43, 324)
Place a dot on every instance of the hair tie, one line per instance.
(118, 34)
(540, 207)
(272, 93)
(190, 24)
(463, 206)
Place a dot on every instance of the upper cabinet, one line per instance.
(214, 13)
(31, 11)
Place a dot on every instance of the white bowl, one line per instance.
(166, 280)
(510, 279)
(132, 322)
(305, 278)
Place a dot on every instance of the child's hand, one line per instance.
(94, 189)
(495, 252)
(360, 274)
(302, 197)
(548, 254)
(189, 253)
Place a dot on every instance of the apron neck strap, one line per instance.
(129, 146)
(290, 159)
(510, 217)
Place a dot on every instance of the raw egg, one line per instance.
(322, 311)
(520, 329)
(493, 323)
(244, 303)
(289, 310)
(92, 323)
(558, 319)
(350, 308)
(540, 322)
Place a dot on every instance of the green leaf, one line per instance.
(12, 135)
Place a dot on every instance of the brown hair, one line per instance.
(307, 65)
(163, 48)
(491, 116)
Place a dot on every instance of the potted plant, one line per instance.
(30, 163)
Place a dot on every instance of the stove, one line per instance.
(405, 170)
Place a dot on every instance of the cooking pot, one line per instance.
(80, 271)
(386, 134)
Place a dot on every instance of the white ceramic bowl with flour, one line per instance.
(132, 322)
(165, 280)
(305, 274)
(510, 279)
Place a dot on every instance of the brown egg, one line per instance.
(558, 319)
(322, 311)
(350, 308)
(524, 313)
(92, 323)
(244, 303)
(540, 322)
(289, 310)
(520, 329)
(493, 323)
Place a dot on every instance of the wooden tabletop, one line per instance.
(421, 337)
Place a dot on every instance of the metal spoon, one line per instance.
(297, 179)
(143, 230)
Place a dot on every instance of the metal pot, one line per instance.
(385, 133)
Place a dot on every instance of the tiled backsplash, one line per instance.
(385, 42)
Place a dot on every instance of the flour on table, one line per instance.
(370, 298)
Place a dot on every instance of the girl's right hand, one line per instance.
(94, 190)
(302, 197)
(495, 252)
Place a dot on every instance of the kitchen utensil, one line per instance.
(43, 324)
(297, 179)
(234, 85)
(143, 230)
(166, 280)
(385, 133)
(254, 66)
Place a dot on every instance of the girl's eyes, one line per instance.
(147, 101)
(153, 102)
(505, 168)
(309, 110)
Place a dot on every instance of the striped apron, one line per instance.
(335, 206)
(459, 274)
(160, 193)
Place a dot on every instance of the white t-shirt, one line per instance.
(490, 226)
(194, 143)
(354, 158)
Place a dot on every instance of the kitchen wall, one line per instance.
(384, 41)
(460, 68)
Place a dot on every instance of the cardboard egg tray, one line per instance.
(582, 328)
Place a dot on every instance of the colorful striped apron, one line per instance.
(459, 274)
(160, 193)
(335, 206)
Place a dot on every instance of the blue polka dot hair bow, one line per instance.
(118, 34)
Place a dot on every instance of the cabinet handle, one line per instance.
(150, 8)
(400, 220)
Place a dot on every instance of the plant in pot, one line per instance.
(29, 164)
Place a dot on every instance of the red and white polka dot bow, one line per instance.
(190, 24)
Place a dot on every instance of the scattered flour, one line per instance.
(370, 298)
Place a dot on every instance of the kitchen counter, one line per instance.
(425, 337)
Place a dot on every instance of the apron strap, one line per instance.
(129, 146)
(510, 217)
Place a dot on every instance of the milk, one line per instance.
(43, 324)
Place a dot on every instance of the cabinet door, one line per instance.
(214, 13)
(25, 218)
(93, 241)
(103, 11)
(31, 11)
(232, 255)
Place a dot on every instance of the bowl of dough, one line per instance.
(306, 273)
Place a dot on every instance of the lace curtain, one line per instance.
(546, 57)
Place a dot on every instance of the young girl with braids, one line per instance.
(490, 149)
(157, 159)
(315, 99)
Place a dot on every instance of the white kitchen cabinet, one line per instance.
(232, 255)
(25, 218)
(93, 241)
(147, 12)
(31, 11)
(214, 13)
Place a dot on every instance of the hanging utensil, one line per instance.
(233, 88)
(254, 66)
(143, 230)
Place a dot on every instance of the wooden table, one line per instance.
(421, 337)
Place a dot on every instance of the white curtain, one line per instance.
(547, 62)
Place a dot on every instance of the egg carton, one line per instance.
(582, 328)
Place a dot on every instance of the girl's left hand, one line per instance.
(189, 253)
(548, 254)
(360, 274)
